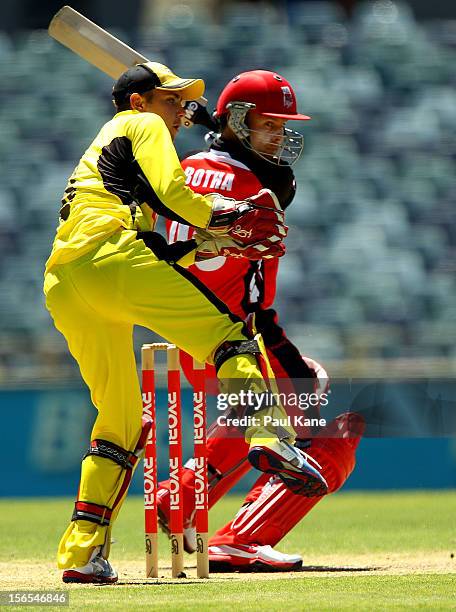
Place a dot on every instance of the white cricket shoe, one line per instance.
(251, 558)
(98, 570)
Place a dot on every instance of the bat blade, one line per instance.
(97, 46)
(92, 43)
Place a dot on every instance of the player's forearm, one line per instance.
(194, 209)
(163, 180)
(175, 201)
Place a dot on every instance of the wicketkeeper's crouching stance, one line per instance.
(104, 276)
(251, 148)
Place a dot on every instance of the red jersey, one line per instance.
(241, 284)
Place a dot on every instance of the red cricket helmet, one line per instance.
(271, 93)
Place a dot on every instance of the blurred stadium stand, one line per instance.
(370, 270)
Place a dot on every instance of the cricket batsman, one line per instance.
(252, 149)
(108, 271)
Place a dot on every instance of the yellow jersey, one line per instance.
(132, 162)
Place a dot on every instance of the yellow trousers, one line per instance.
(95, 301)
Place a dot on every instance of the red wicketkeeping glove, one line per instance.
(210, 246)
(250, 221)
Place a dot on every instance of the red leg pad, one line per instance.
(271, 510)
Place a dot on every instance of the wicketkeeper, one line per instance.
(251, 148)
(104, 276)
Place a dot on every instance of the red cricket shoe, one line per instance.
(96, 571)
(251, 558)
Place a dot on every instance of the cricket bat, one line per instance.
(95, 45)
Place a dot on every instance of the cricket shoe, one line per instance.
(163, 521)
(298, 470)
(251, 558)
(97, 571)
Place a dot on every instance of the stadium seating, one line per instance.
(372, 246)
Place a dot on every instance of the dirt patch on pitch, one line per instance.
(21, 575)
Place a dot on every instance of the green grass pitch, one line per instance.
(362, 551)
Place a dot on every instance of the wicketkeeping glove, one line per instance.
(210, 246)
(250, 221)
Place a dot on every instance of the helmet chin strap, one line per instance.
(288, 152)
